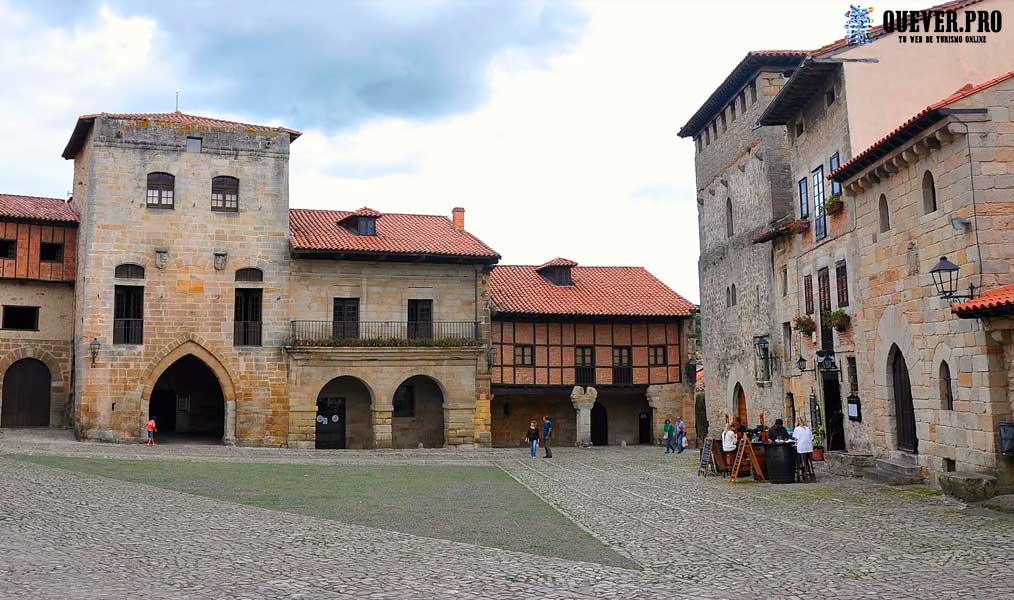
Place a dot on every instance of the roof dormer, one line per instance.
(361, 222)
(557, 271)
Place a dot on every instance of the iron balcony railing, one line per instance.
(128, 331)
(623, 376)
(247, 333)
(584, 376)
(386, 333)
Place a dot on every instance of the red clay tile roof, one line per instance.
(556, 262)
(992, 303)
(317, 231)
(926, 115)
(367, 212)
(37, 209)
(85, 122)
(597, 291)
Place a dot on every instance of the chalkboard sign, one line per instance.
(702, 468)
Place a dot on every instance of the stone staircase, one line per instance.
(899, 468)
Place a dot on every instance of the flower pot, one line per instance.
(843, 323)
(801, 227)
(818, 454)
(833, 208)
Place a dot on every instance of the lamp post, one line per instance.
(945, 279)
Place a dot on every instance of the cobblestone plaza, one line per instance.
(67, 535)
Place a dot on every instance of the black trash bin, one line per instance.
(781, 459)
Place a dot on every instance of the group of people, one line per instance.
(801, 434)
(533, 436)
(676, 430)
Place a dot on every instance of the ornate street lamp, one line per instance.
(94, 348)
(945, 278)
(801, 363)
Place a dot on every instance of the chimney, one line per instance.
(458, 217)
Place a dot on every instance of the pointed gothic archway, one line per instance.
(904, 410)
(741, 410)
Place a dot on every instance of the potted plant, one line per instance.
(818, 445)
(839, 319)
(801, 225)
(833, 204)
(804, 324)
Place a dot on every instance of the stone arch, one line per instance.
(738, 376)
(893, 330)
(929, 193)
(943, 355)
(426, 422)
(167, 356)
(884, 211)
(342, 397)
(56, 370)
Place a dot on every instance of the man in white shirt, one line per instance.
(804, 446)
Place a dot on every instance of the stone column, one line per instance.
(229, 439)
(583, 400)
(382, 430)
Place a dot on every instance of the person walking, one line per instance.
(668, 430)
(151, 429)
(681, 434)
(533, 438)
(547, 432)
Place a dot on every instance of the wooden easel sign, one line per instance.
(745, 447)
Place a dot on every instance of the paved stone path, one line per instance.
(68, 536)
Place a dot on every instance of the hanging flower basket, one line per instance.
(804, 324)
(833, 205)
(839, 319)
(801, 226)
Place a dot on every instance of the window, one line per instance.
(558, 275)
(9, 249)
(524, 356)
(584, 365)
(21, 318)
(833, 163)
(225, 194)
(345, 318)
(885, 216)
(657, 356)
(249, 274)
(728, 297)
(128, 314)
(787, 341)
(734, 294)
(707, 136)
(829, 97)
(853, 374)
(804, 202)
(129, 271)
(729, 229)
(721, 118)
(824, 296)
(929, 193)
(622, 373)
(160, 190)
(820, 217)
(194, 144)
(762, 367)
(946, 393)
(841, 277)
(247, 317)
(404, 401)
(51, 252)
(753, 91)
(420, 319)
(785, 281)
(732, 109)
(366, 226)
(808, 293)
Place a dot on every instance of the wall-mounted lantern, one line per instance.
(945, 278)
(801, 364)
(220, 260)
(94, 347)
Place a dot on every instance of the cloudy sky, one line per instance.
(553, 123)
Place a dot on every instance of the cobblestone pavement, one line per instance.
(68, 536)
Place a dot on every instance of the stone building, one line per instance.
(605, 352)
(940, 184)
(743, 183)
(187, 289)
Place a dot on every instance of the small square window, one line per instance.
(194, 144)
(656, 356)
(22, 318)
(8, 249)
(524, 356)
(51, 252)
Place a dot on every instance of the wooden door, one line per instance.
(644, 428)
(26, 394)
(331, 421)
(420, 319)
(903, 409)
(599, 425)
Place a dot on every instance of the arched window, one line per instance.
(734, 294)
(946, 392)
(249, 274)
(729, 229)
(885, 216)
(929, 193)
(225, 194)
(129, 271)
(728, 297)
(160, 190)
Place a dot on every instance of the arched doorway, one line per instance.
(904, 411)
(343, 415)
(418, 416)
(599, 425)
(741, 412)
(26, 394)
(187, 402)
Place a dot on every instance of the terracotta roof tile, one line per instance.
(597, 291)
(37, 209)
(85, 122)
(993, 302)
(556, 262)
(318, 231)
(960, 94)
